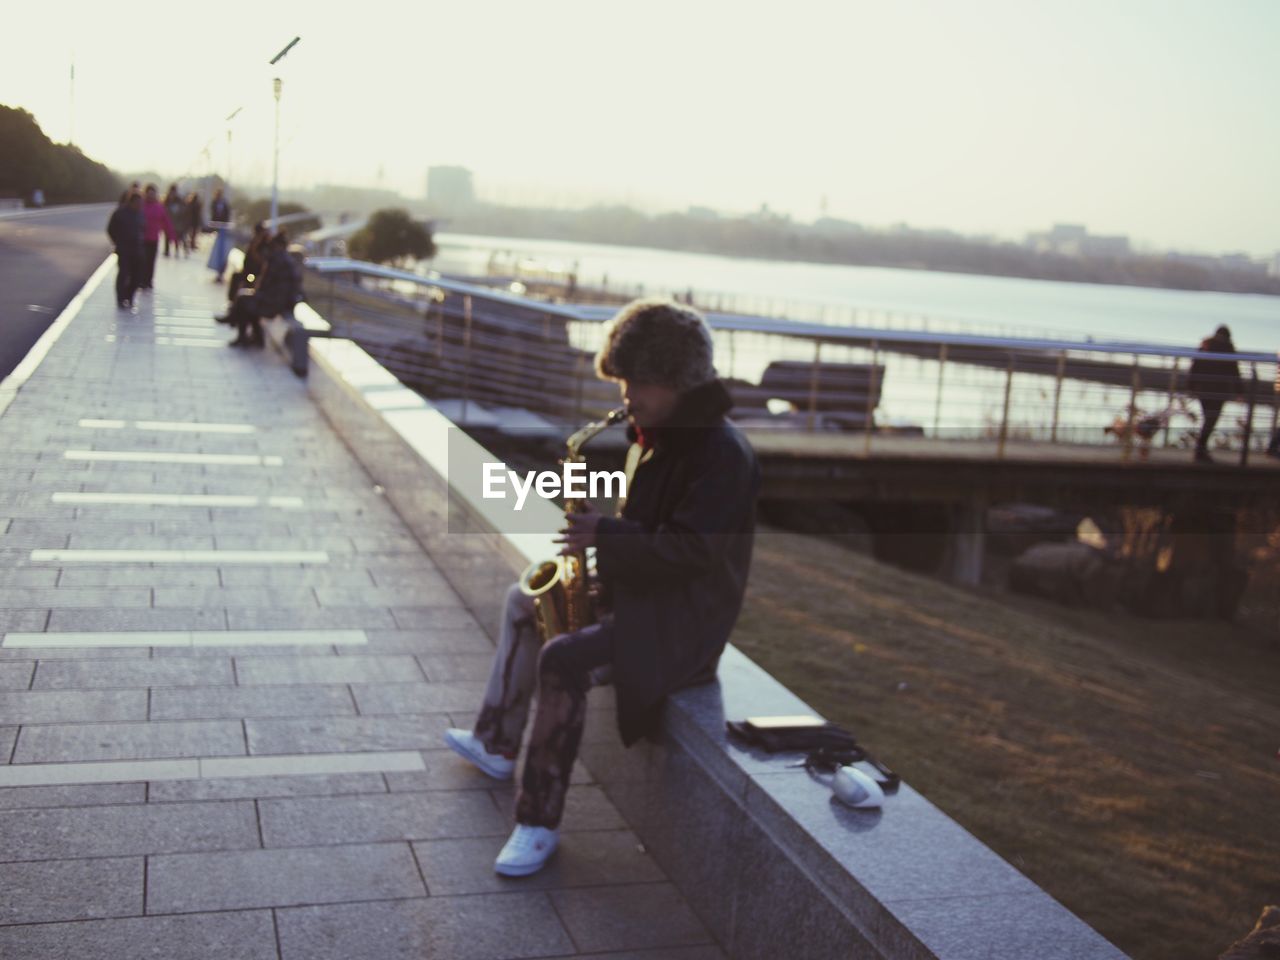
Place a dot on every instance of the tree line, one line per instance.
(775, 238)
(34, 162)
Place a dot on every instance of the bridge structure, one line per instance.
(1079, 425)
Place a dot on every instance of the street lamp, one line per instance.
(275, 163)
(276, 84)
(230, 116)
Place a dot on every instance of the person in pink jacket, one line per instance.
(155, 221)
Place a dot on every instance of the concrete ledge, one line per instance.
(771, 863)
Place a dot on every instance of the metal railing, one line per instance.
(476, 343)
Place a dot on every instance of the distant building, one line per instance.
(336, 196)
(1242, 263)
(1074, 240)
(450, 187)
(702, 213)
(765, 215)
(1274, 267)
(1092, 246)
(836, 225)
(1194, 259)
(1235, 262)
(929, 233)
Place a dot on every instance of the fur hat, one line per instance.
(657, 341)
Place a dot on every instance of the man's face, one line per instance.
(648, 404)
(151, 195)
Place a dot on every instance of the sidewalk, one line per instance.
(225, 670)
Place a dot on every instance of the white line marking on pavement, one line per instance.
(147, 456)
(128, 771)
(179, 499)
(213, 557)
(191, 638)
(208, 768)
(311, 764)
(137, 324)
(194, 426)
(189, 342)
(167, 328)
(169, 341)
(184, 426)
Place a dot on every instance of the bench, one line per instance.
(843, 395)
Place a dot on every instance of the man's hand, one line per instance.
(579, 532)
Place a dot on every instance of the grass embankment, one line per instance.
(1127, 766)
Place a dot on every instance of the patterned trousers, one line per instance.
(560, 672)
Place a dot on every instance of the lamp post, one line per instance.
(275, 163)
(276, 84)
(230, 116)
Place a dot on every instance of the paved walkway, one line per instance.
(225, 671)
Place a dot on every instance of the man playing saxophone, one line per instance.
(672, 571)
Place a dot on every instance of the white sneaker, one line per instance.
(527, 850)
(465, 744)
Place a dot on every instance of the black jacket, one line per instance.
(281, 285)
(125, 230)
(675, 562)
(254, 259)
(1216, 379)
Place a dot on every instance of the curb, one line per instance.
(31, 213)
(20, 374)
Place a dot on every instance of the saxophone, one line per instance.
(558, 586)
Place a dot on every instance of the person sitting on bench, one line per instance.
(278, 289)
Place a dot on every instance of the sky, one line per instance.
(1151, 118)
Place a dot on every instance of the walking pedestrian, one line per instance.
(156, 221)
(219, 208)
(176, 207)
(220, 222)
(195, 220)
(1214, 381)
(125, 231)
(1273, 448)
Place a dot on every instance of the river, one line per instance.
(903, 297)
(971, 401)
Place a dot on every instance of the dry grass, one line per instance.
(1127, 766)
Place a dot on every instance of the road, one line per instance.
(45, 258)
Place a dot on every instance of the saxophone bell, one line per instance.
(559, 587)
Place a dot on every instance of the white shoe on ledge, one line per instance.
(465, 744)
(527, 851)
